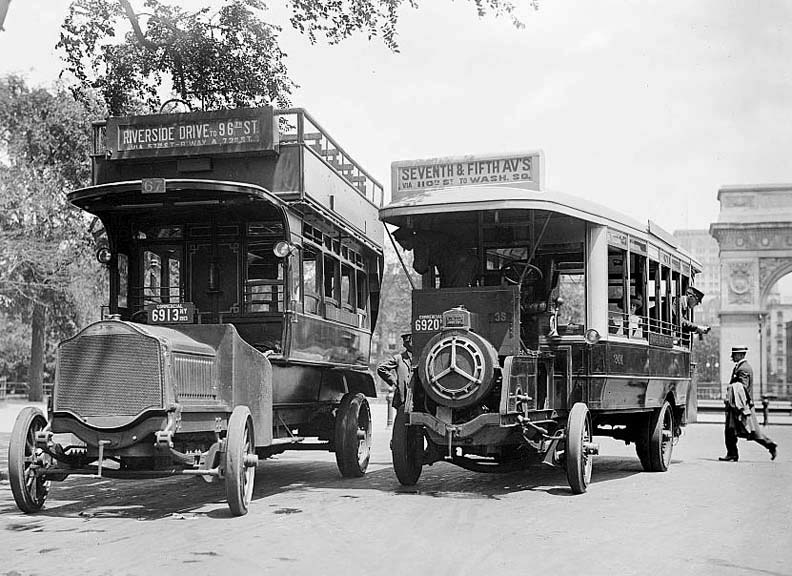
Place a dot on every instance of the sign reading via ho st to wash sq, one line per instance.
(412, 177)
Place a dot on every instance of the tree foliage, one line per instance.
(212, 58)
(47, 274)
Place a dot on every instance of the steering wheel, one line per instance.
(513, 271)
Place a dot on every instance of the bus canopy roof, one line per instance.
(500, 197)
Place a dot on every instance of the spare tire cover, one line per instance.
(457, 367)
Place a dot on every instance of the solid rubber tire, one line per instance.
(660, 458)
(578, 463)
(353, 420)
(406, 450)
(29, 419)
(239, 478)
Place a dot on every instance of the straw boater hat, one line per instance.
(406, 335)
(739, 349)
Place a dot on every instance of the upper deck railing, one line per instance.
(296, 126)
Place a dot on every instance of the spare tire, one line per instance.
(457, 368)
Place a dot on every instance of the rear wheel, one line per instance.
(579, 461)
(29, 490)
(353, 435)
(240, 461)
(658, 440)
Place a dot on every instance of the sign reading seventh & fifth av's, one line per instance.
(219, 131)
(411, 177)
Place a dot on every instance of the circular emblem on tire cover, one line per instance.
(457, 368)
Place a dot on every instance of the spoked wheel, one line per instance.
(579, 448)
(657, 440)
(240, 461)
(30, 491)
(353, 435)
(407, 448)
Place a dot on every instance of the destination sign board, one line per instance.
(525, 170)
(219, 131)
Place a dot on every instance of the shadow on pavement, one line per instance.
(183, 497)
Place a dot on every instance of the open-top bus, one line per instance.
(244, 255)
(541, 320)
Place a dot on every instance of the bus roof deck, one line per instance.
(299, 162)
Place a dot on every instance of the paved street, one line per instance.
(702, 517)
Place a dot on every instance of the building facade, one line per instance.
(704, 248)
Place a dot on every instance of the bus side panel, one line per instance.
(326, 186)
(318, 340)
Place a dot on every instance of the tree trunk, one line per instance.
(36, 372)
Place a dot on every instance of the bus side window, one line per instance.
(348, 293)
(572, 313)
(152, 272)
(362, 292)
(652, 293)
(264, 283)
(310, 292)
(617, 277)
(123, 280)
(638, 296)
(666, 298)
(331, 281)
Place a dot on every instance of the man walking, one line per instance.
(740, 417)
(397, 370)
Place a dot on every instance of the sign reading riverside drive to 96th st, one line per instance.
(226, 131)
(411, 177)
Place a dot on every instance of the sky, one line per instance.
(645, 107)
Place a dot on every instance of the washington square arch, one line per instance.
(754, 234)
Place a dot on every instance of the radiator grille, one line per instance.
(194, 378)
(109, 375)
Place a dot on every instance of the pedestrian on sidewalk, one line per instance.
(740, 416)
(397, 370)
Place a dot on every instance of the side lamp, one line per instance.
(283, 249)
(103, 255)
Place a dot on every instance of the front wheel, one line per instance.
(240, 461)
(579, 461)
(29, 490)
(353, 435)
(407, 448)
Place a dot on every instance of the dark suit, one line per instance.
(396, 372)
(739, 424)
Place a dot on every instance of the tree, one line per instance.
(45, 250)
(224, 58)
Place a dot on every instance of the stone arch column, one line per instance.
(754, 235)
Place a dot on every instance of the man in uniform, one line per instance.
(397, 370)
(693, 297)
(740, 416)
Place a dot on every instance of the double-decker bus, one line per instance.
(541, 320)
(244, 254)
